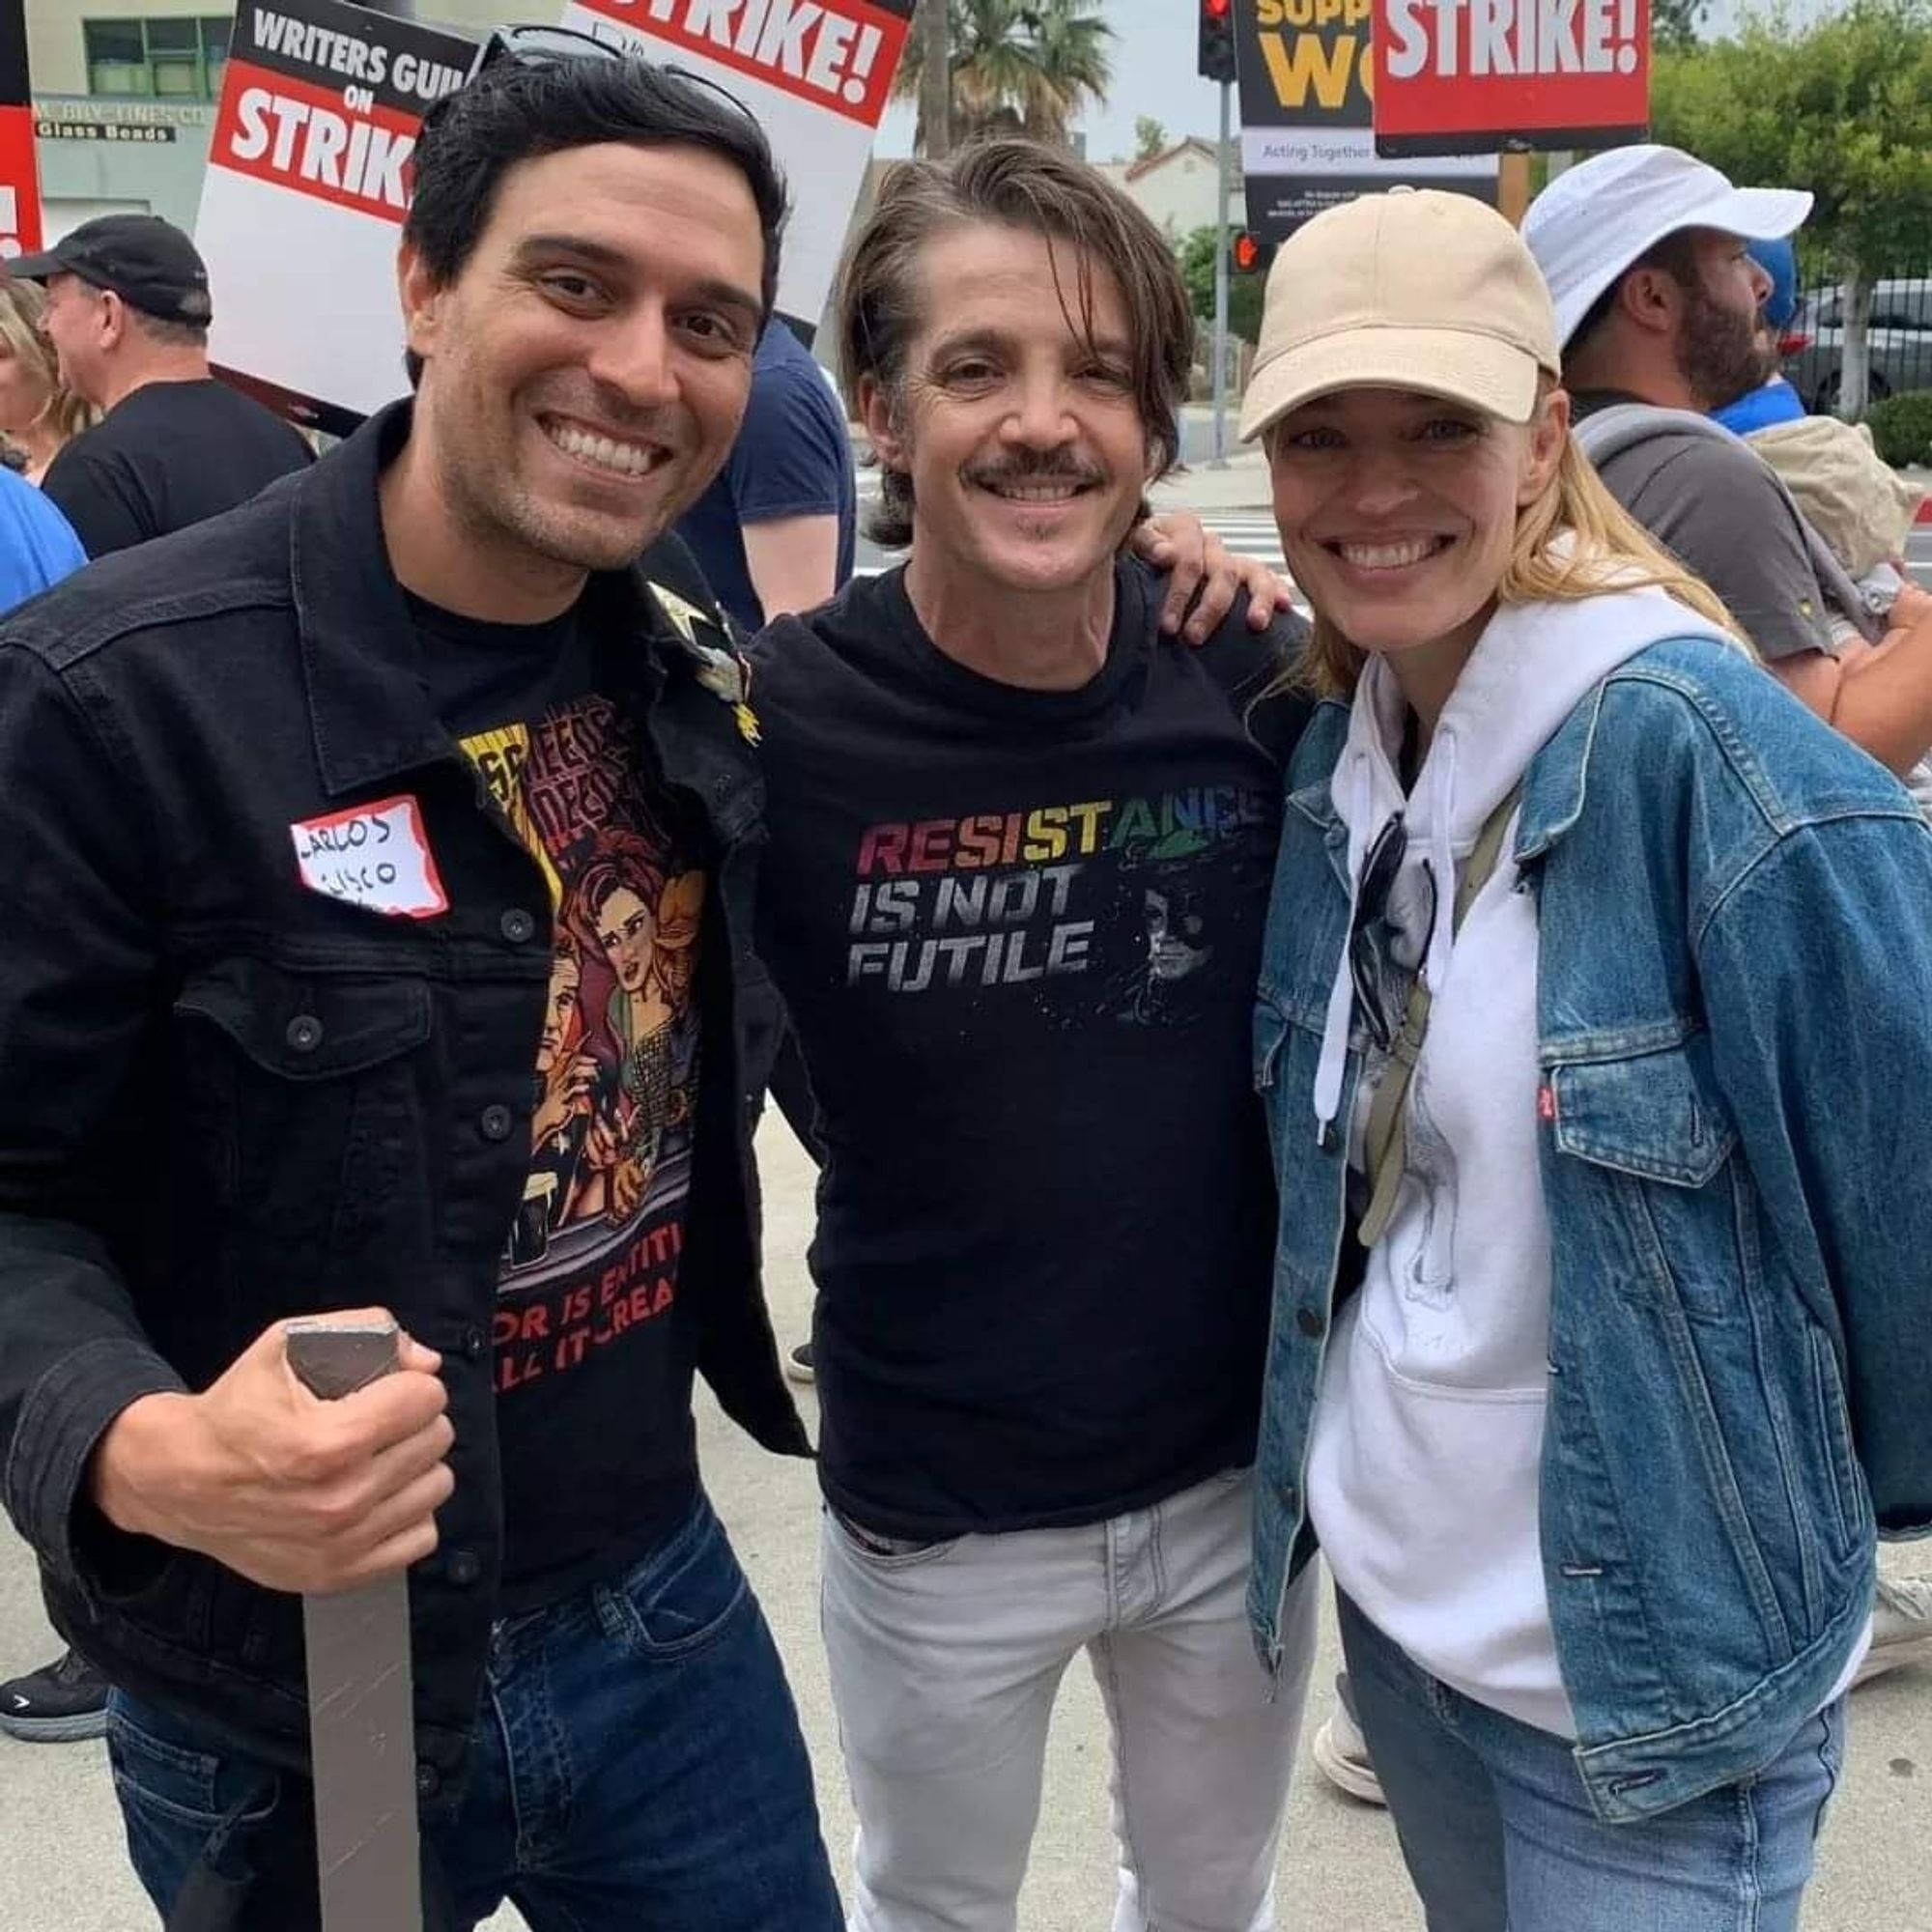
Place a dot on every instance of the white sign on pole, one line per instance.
(308, 178)
(816, 74)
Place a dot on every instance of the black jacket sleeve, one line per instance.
(79, 1003)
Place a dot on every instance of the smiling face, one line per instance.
(1398, 511)
(1016, 418)
(586, 372)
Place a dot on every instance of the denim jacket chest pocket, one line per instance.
(1652, 1129)
(304, 1094)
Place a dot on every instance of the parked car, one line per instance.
(1900, 335)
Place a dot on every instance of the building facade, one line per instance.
(1178, 188)
(124, 100)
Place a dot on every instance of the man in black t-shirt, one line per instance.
(128, 313)
(1020, 852)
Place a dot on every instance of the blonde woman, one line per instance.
(1592, 1034)
(39, 413)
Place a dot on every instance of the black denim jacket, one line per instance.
(226, 1099)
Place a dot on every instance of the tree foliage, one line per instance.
(1842, 107)
(1245, 292)
(1019, 67)
(1149, 137)
(1673, 23)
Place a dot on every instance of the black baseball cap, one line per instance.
(148, 263)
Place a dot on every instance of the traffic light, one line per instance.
(1248, 255)
(1217, 40)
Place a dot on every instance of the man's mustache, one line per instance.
(1022, 470)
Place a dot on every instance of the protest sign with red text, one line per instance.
(19, 167)
(308, 178)
(1308, 82)
(816, 74)
(1458, 75)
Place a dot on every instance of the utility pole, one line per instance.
(1216, 62)
(1222, 158)
(935, 78)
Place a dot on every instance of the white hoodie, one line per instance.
(1428, 1436)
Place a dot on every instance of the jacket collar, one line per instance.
(370, 714)
(1553, 785)
(1552, 788)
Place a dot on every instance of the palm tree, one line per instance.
(1017, 66)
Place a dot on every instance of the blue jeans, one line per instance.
(1497, 1833)
(637, 1763)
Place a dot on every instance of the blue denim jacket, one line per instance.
(1735, 1035)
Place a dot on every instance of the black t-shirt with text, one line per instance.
(1018, 934)
(593, 1361)
(168, 455)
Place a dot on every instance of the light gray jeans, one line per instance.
(946, 1660)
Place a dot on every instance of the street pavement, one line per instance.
(63, 1867)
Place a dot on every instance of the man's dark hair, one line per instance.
(516, 111)
(1676, 255)
(1023, 184)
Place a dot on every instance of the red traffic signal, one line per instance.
(1248, 255)
(1217, 40)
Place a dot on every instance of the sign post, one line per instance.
(19, 170)
(1460, 75)
(1223, 154)
(360, 1697)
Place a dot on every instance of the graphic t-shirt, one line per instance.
(593, 1364)
(1017, 932)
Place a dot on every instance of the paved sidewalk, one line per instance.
(65, 1869)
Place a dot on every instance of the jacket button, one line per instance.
(1291, 1496)
(517, 926)
(1309, 1321)
(496, 1122)
(305, 1033)
(464, 1568)
(429, 1779)
(473, 1344)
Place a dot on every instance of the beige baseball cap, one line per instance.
(1416, 289)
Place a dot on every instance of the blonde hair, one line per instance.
(1574, 541)
(22, 304)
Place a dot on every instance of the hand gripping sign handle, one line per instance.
(360, 1696)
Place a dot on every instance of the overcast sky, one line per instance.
(1155, 50)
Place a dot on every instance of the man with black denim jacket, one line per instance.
(382, 878)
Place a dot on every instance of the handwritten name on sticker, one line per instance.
(373, 855)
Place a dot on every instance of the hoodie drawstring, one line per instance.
(1333, 1063)
(1442, 859)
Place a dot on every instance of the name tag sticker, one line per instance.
(373, 855)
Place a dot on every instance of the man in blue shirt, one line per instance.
(1774, 400)
(37, 546)
(774, 532)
